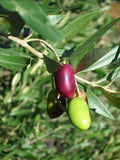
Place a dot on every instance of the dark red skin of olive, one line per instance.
(65, 80)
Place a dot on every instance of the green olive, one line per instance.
(78, 113)
(54, 102)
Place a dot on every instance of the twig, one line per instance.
(41, 137)
(22, 43)
(26, 45)
(94, 85)
(47, 44)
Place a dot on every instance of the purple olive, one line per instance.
(65, 80)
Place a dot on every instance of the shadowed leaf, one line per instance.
(51, 64)
(91, 57)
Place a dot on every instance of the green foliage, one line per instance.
(88, 45)
(70, 32)
(98, 61)
(97, 105)
(35, 18)
(12, 59)
(76, 25)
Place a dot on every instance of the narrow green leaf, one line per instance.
(82, 49)
(95, 104)
(12, 59)
(15, 80)
(26, 75)
(9, 155)
(76, 25)
(35, 17)
(114, 98)
(21, 112)
(26, 154)
(51, 65)
(91, 57)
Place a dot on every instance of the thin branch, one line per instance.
(43, 136)
(86, 81)
(22, 43)
(94, 85)
(26, 45)
(47, 44)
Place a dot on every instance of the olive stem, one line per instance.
(106, 88)
(86, 81)
(22, 43)
(25, 44)
(78, 91)
(47, 44)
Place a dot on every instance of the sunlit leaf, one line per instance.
(54, 19)
(96, 104)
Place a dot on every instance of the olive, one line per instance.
(65, 80)
(78, 113)
(54, 102)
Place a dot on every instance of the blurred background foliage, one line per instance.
(26, 131)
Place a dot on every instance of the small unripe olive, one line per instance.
(54, 109)
(65, 80)
(78, 113)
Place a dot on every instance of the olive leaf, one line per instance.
(35, 17)
(91, 58)
(114, 97)
(95, 104)
(16, 23)
(83, 48)
(51, 64)
(12, 59)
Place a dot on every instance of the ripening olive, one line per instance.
(65, 80)
(78, 113)
(54, 109)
